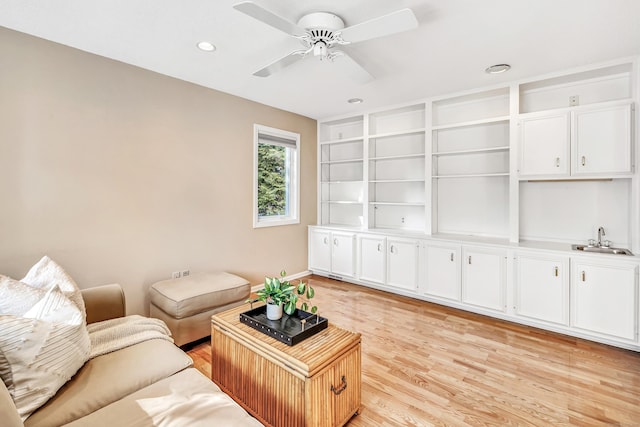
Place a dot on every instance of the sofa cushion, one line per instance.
(197, 293)
(42, 348)
(187, 398)
(108, 378)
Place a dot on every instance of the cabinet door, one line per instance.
(602, 141)
(542, 288)
(443, 271)
(544, 145)
(483, 278)
(604, 298)
(372, 258)
(319, 250)
(343, 254)
(402, 263)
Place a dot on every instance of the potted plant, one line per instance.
(276, 293)
(280, 295)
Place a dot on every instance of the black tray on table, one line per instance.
(288, 329)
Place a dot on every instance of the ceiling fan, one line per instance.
(320, 32)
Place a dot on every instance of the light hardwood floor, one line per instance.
(425, 364)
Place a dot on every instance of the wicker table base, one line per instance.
(313, 383)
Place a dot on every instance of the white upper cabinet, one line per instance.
(584, 142)
(577, 125)
(544, 145)
(602, 141)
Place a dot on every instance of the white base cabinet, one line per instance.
(586, 295)
(372, 258)
(443, 271)
(403, 263)
(483, 277)
(332, 252)
(605, 298)
(542, 287)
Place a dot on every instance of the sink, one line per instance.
(601, 250)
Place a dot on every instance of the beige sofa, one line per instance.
(151, 383)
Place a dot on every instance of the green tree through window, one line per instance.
(272, 180)
(276, 177)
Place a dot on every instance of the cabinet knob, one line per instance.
(557, 162)
(326, 240)
(379, 247)
(583, 275)
(451, 256)
(469, 259)
(391, 249)
(555, 271)
(584, 161)
(335, 242)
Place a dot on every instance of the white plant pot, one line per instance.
(274, 311)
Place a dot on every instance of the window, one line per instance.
(276, 177)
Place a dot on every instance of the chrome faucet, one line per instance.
(600, 234)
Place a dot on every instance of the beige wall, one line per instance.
(124, 175)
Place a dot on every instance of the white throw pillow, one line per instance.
(46, 273)
(17, 297)
(41, 347)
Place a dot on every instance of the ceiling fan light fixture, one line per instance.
(497, 69)
(320, 49)
(355, 101)
(206, 46)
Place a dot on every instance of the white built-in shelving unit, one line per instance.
(545, 159)
(474, 200)
(396, 168)
(341, 155)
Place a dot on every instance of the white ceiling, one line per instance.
(455, 41)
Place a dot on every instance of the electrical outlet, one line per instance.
(574, 100)
(175, 275)
(185, 273)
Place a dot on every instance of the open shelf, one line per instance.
(472, 175)
(333, 162)
(471, 151)
(501, 119)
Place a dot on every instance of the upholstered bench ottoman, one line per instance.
(186, 304)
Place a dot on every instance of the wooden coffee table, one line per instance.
(313, 383)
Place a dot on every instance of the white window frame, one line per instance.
(294, 177)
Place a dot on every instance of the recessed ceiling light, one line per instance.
(206, 46)
(355, 101)
(497, 69)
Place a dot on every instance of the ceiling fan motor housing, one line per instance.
(321, 20)
(321, 32)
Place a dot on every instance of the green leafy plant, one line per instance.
(304, 293)
(276, 291)
(280, 291)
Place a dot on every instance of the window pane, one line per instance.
(273, 180)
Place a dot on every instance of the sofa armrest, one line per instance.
(8, 412)
(104, 302)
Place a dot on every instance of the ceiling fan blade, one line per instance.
(394, 22)
(261, 14)
(353, 69)
(280, 63)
